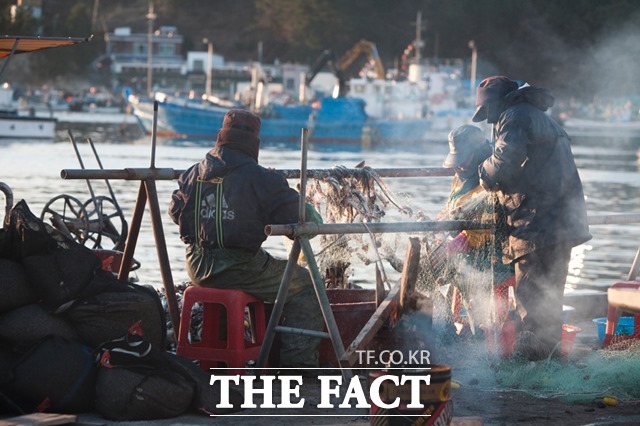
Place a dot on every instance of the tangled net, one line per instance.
(463, 287)
(357, 195)
(455, 281)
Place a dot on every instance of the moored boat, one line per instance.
(602, 128)
(14, 125)
(25, 127)
(185, 118)
(336, 121)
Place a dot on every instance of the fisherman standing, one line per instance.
(468, 148)
(222, 206)
(534, 173)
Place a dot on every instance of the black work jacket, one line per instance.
(536, 177)
(227, 199)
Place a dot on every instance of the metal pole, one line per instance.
(633, 272)
(13, 52)
(209, 66)
(325, 305)
(278, 306)
(474, 59)
(150, 18)
(170, 174)
(154, 130)
(94, 201)
(106, 181)
(304, 140)
(163, 257)
(418, 37)
(75, 148)
(310, 229)
(123, 174)
(8, 201)
(383, 172)
(132, 238)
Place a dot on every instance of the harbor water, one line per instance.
(609, 169)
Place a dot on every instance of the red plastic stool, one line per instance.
(222, 343)
(614, 311)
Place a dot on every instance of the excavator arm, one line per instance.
(328, 58)
(367, 47)
(339, 68)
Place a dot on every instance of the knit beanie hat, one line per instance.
(463, 142)
(489, 90)
(240, 130)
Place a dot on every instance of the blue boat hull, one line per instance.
(196, 122)
(341, 121)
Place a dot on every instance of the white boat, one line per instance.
(421, 108)
(17, 126)
(14, 125)
(602, 128)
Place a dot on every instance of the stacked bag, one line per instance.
(61, 316)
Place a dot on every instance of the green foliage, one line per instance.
(22, 23)
(567, 45)
(65, 61)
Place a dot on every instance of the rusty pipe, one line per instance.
(310, 229)
(8, 200)
(122, 174)
(170, 174)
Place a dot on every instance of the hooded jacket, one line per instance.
(536, 177)
(227, 199)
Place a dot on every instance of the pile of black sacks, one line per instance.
(74, 339)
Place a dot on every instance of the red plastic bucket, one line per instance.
(569, 333)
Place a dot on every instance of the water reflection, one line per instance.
(609, 171)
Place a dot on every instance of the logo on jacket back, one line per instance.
(208, 208)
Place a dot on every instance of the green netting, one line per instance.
(587, 377)
(463, 325)
(600, 373)
(461, 284)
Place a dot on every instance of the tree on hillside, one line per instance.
(69, 61)
(572, 46)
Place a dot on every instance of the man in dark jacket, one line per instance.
(222, 206)
(537, 182)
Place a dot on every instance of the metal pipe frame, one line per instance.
(310, 229)
(171, 174)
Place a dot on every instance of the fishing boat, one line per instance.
(341, 121)
(424, 106)
(13, 124)
(332, 121)
(602, 128)
(185, 118)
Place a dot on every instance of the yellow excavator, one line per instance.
(340, 67)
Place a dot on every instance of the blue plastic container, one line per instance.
(624, 327)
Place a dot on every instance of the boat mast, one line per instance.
(415, 69)
(209, 66)
(150, 18)
(418, 36)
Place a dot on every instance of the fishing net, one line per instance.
(599, 374)
(472, 291)
(587, 378)
(358, 195)
(461, 282)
